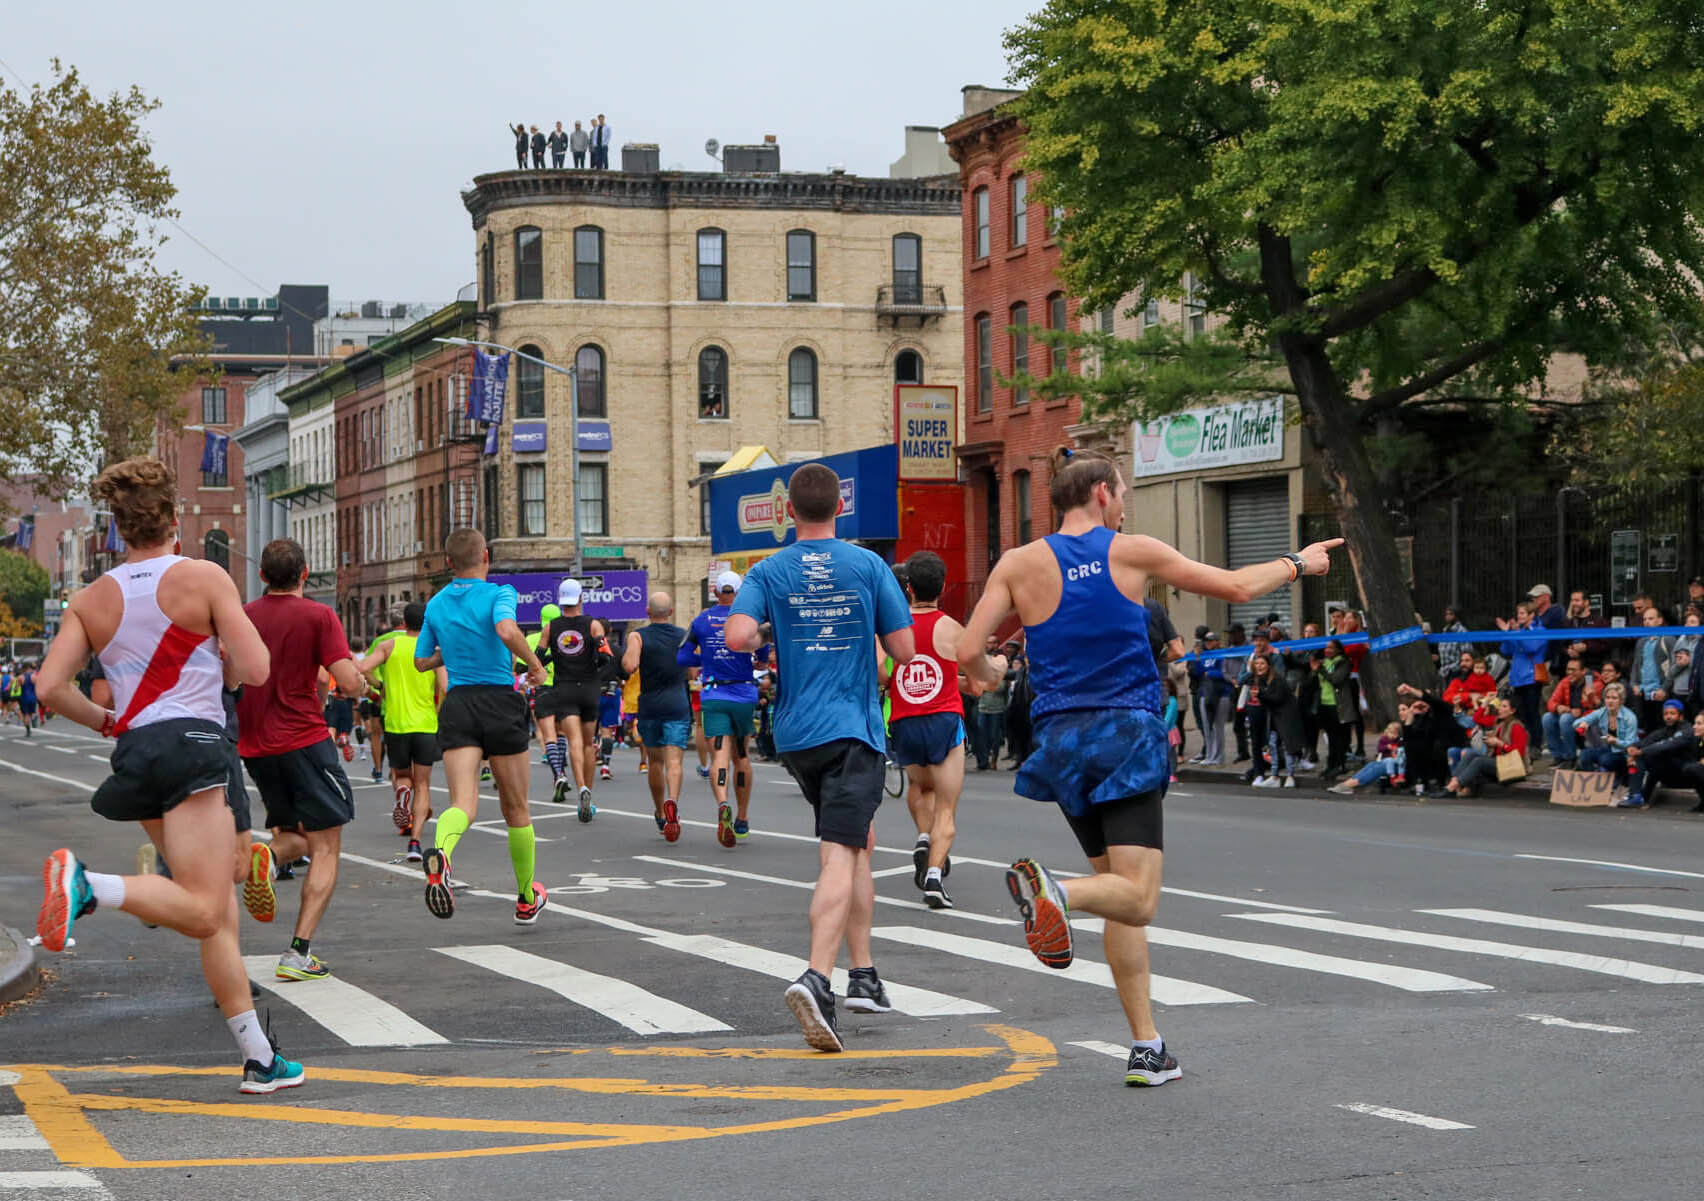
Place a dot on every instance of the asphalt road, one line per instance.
(1369, 999)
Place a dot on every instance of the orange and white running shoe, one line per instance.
(1047, 924)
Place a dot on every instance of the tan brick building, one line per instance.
(704, 312)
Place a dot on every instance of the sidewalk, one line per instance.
(1535, 788)
(18, 972)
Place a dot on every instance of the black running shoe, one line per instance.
(440, 900)
(812, 1002)
(1151, 1068)
(865, 993)
(920, 860)
(935, 894)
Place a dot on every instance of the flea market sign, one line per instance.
(1222, 436)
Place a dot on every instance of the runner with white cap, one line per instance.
(576, 647)
(729, 706)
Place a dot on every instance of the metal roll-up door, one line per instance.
(1258, 530)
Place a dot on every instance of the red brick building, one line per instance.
(1011, 278)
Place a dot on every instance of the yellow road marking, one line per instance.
(62, 1116)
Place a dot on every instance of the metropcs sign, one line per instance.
(1222, 436)
(767, 511)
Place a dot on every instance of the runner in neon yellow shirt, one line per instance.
(410, 707)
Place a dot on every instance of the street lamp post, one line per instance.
(573, 424)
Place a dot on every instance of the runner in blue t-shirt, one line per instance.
(729, 704)
(470, 632)
(829, 603)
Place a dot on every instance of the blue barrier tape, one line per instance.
(1563, 634)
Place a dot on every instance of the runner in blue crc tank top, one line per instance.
(1100, 746)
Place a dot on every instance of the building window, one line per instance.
(1107, 316)
(487, 271)
(529, 478)
(907, 269)
(215, 479)
(706, 468)
(216, 548)
(1195, 312)
(991, 515)
(1055, 219)
(1021, 506)
(529, 384)
(984, 364)
(1020, 350)
(908, 367)
(802, 385)
(1020, 210)
(713, 382)
(588, 263)
(979, 204)
(529, 263)
(212, 406)
(589, 371)
(1151, 312)
(491, 503)
(801, 265)
(712, 265)
(1058, 359)
(593, 486)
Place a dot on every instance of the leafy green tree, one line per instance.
(89, 323)
(24, 584)
(1401, 205)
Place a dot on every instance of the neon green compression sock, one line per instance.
(452, 824)
(522, 853)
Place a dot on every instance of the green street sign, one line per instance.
(604, 552)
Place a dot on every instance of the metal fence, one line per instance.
(1482, 553)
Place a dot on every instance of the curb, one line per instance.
(1310, 786)
(18, 974)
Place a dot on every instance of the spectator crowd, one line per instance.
(559, 143)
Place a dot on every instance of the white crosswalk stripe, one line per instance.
(1496, 918)
(28, 1166)
(1668, 911)
(18, 1133)
(1406, 978)
(1625, 968)
(640, 1011)
(1165, 989)
(353, 1014)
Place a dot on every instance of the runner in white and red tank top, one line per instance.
(157, 623)
(926, 726)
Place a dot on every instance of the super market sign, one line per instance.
(1221, 436)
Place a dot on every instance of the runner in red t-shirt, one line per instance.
(926, 726)
(282, 737)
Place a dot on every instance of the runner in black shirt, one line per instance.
(578, 647)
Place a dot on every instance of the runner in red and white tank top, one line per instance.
(157, 623)
(926, 726)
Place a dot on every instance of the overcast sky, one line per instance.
(328, 143)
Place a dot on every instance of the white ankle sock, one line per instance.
(251, 1039)
(108, 890)
(922, 840)
(1152, 1044)
(933, 873)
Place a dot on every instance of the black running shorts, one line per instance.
(403, 751)
(489, 716)
(570, 700)
(303, 788)
(843, 782)
(157, 766)
(236, 790)
(1133, 821)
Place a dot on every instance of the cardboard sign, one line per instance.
(1583, 788)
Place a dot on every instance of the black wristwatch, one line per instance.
(1297, 563)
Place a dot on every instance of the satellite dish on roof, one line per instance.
(711, 146)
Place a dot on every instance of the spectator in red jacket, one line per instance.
(1575, 695)
(1475, 767)
(1479, 683)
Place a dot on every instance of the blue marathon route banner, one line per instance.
(748, 510)
(1384, 642)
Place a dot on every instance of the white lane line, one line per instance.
(1403, 1115)
(918, 1001)
(1165, 989)
(1630, 867)
(19, 1133)
(44, 1180)
(1545, 1019)
(499, 828)
(640, 1011)
(896, 871)
(1624, 968)
(1407, 978)
(1667, 938)
(353, 1014)
(1243, 901)
(810, 886)
(30, 771)
(1113, 1049)
(107, 759)
(1668, 911)
(63, 750)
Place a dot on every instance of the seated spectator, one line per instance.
(1575, 695)
(1608, 731)
(1475, 687)
(1658, 757)
(1691, 775)
(1274, 726)
(1650, 671)
(1387, 769)
(1430, 735)
(1450, 672)
(1609, 673)
(1507, 733)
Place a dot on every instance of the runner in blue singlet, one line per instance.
(1100, 745)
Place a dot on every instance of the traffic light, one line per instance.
(64, 598)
